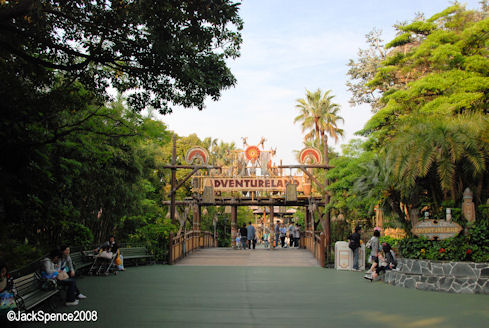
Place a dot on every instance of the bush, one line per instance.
(390, 240)
(471, 247)
(17, 255)
(155, 237)
(75, 235)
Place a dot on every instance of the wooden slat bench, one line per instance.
(136, 253)
(80, 261)
(30, 293)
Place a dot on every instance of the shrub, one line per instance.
(75, 235)
(155, 237)
(471, 247)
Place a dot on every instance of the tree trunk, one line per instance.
(413, 216)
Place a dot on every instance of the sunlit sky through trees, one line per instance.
(290, 46)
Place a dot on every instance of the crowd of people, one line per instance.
(285, 236)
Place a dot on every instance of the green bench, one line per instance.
(80, 261)
(30, 293)
(136, 253)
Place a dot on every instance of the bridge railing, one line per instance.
(316, 244)
(184, 244)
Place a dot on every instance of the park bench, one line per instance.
(30, 293)
(136, 253)
(80, 260)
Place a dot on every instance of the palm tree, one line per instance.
(319, 117)
(449, 147)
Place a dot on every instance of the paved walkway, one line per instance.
(279, 257)
(252, 296)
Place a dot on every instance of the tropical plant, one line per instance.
(319, 116)
(445, 146)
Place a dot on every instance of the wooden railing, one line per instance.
(184, 244)
(316, 244)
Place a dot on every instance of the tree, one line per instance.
(447, 147)
(348, 168)
(320, 116)
(434, 66)
(430, 101)
(364, 69)
(164, 52)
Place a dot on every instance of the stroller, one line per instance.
(104, 263)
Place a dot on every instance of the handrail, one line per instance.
(316, 245)
(184, 244)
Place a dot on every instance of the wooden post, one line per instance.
(196, 221)
(327, 229)
(272, 231)
(234, 220)
(170, 248)
(173, 179)
(322, 258)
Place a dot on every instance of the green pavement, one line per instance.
(187, 296)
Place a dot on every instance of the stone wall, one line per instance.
(451, 277)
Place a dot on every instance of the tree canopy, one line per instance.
(427, 139)
(164, 53)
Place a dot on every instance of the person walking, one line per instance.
(251, 235)
(283, 234)
(277, 233)
(297, 235)
(244, 235)
(291, 234)
(354, 244)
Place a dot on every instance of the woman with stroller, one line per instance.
(114, 249)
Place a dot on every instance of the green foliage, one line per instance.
(348, 168)
(75, 235)
(154, 236)
(470, 247)
(390, 240)
(429, 131)
(399, 41)
(95, 43)
(16, 254)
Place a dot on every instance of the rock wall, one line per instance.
(451, 277)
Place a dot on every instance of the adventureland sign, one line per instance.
(436, 229)
(225, 184)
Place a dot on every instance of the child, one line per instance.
(238, 241)
(265, 239)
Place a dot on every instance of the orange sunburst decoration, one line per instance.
(198, 153)
(310, 155)
(252, 153)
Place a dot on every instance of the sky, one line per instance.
(290, 46)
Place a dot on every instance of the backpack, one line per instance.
(353, 245)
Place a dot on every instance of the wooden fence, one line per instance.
(316, 244)
(184, 244)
